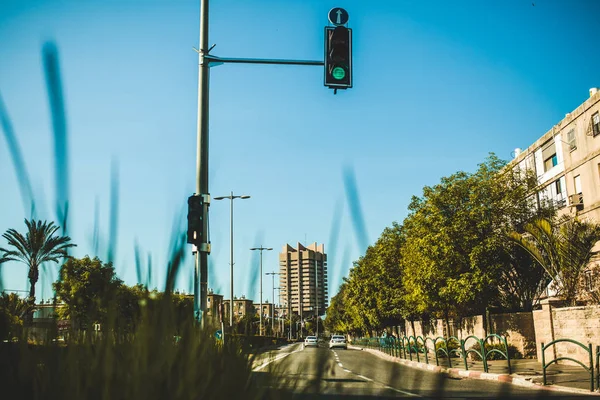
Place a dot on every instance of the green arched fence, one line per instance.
(589, 368)
(409, 347)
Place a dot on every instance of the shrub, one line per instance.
(453, 346)
(513, 353)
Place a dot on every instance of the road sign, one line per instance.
(219, 334)
(338, 16)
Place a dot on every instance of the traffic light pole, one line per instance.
(215, 61)
(205, 61)
(203, 248)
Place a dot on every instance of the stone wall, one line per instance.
(519, 330)
(577, 323)
(527, 330)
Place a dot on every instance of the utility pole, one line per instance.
(317, 293)
(273, 286)
(261, 248)
(203, 248)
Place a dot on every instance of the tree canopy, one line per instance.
(451, 256)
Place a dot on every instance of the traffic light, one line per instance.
(338, 57)
(194, 217)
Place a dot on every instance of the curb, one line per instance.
(513, 379)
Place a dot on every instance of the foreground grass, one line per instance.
(149, 363)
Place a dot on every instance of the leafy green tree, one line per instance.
(88, 288)
(13, 312)
(40, 244)
(522, 280)
(457, 256)
(563, 247)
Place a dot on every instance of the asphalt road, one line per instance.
(355, 374)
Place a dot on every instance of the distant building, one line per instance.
(214, 305)
(303, 279)
(241, 308)
(266, 307)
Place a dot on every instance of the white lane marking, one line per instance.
(279, 357)
(371, 380)
(402, 391)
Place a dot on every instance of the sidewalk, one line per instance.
(570, 378)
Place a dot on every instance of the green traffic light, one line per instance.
(338, 73)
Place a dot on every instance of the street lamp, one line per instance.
(231, 197)
(279, 314)
(260, 313)
(273, 285)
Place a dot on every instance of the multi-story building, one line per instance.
(241, 308)
(566, 160)
(267, 309)
(214, 305)
(303, 279)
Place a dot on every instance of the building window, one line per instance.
(558, 187)
(549, 155)
(572, 140)
(596, 123)
(577, 181)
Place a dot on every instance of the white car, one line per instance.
(338, 341)
(310, 341)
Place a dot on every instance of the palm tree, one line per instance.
(39, 245)
(563, 248)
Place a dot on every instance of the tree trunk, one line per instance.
(33, 276)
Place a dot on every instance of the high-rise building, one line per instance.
(303, 279)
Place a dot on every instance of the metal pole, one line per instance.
(273, 294)
(317, 294)
(260, 329)
(231, 259)
(201, 261)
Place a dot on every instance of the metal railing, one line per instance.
(588, 349)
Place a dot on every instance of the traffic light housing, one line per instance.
(194, 217)
(338, 57)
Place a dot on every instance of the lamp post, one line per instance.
(261, 311)
(231, 197)
(273, 285)
(278, 314)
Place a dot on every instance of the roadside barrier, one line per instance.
(453, 347)
(588, 349)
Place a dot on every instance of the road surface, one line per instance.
(355, 374)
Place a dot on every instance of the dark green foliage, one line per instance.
(513, 352)
(89, 289)
(452, 345)
(13, 312)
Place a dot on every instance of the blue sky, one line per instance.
(437, 86)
